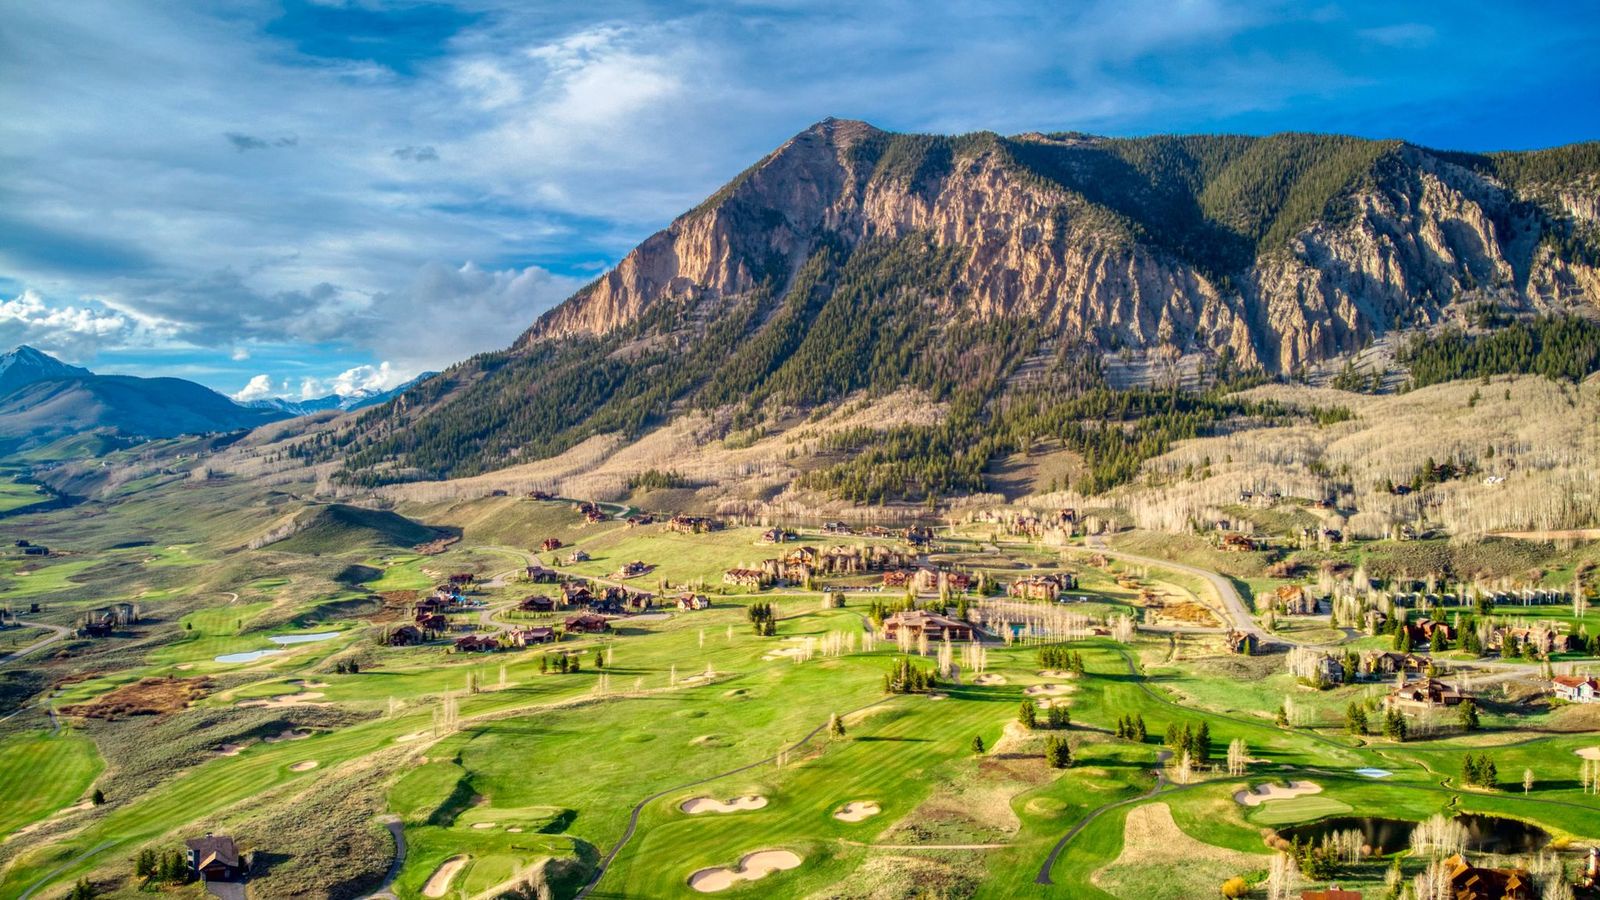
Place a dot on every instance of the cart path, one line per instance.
(398, 830)
(1238, 612)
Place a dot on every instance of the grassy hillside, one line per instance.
(338, 528)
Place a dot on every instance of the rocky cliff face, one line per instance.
(1389, 242)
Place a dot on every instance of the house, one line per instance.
(1243, 643)
(750, 578)
(640, 519)
(405, 636)
(777, 536)
(462, 579)
(1330, 669)
(919, 623)
(215, 857)
(1042, 587)
(1574, 689)
(1293, 600)
(537, 604)
(540, 575)
(896, 579)
(919, 535)
(1423, 630)
(432, 622)
(523, 637)
(473, 643)
(1381, 664)
(576, 593)
(587, 624)
(577, 556)
(1543, 638)
(550, 544)
(1234, 542)
(541, 495)
(836, 528)
(1330, 894)
(1469, 882)
(1428, 693)
(633, 569)
(693, 601)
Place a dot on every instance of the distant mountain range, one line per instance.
(852, 260)
(43, 399)
(361, 399)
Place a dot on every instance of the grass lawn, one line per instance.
(41, 773)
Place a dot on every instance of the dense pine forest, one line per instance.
(1559, 348)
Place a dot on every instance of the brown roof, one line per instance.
(217, 847)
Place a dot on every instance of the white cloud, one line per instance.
(259, 388)
(353, 382)
(239, 354)
(74, 332)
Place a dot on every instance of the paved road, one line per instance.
(58, 633)
(1238, 611)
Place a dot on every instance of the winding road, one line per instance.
(1238, 611)
(58, 632)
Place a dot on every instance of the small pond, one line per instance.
(303, 638)
(251, 656)
(281, 640)
(1485, 834)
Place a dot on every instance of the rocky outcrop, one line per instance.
(1415, 232)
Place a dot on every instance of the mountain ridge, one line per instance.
(852, 259)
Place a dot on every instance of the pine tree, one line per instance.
(977, 743)
(1028, 714)
(835, 727)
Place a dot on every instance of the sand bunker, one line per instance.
(306, 766)
(706, 804)
(513, 831)
(938, 696)
(288, 734)
(1589, 753)
(229, 750)
(989, 678)
(753, 867)
(1274, 791)
(302, 699)
(1056, 673)
(857, 810)
(785, 652)
(483, 825)
(1040, 690)
(439, 882)
(409, 737)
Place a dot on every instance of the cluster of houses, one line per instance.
(803, 563)
(1029, 524)
(591, 513)
(1470, 882)
(693, 524)
(1239, 542)
(1294, 600)
(31, 549)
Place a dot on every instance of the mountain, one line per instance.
(45, 399)
(361, 399)
(26, 365)
(120, 404)
(972, 267)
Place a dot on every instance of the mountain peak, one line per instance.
(25, 365)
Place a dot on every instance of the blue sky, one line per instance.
(309, 195)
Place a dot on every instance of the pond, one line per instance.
(303, 638)
(280, 639)
(252, 656)
(1485, 834)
